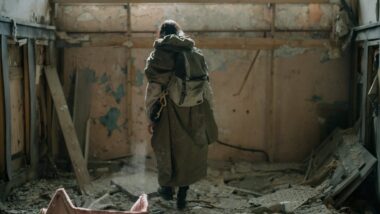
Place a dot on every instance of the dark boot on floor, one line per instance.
(181, 197)
(166, 192)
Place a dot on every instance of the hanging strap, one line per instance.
(163, 103)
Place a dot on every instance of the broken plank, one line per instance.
(68, 130)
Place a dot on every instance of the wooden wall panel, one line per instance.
(2, 123)
(16, 83)
(107, 69)
(17, 109)
(309, 98)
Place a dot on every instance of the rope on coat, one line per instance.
(163, 103)
(245, 149)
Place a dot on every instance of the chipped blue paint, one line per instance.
(315, 98)
(90, 74)
(139, 78)
(124, 70)
(110, 120)
(119, 93)
(103, 79)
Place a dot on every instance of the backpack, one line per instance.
(189, 79)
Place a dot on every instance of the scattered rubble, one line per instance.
(331, 173)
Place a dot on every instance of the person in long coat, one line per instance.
(181, 135)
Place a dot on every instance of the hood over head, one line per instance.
(174, 42)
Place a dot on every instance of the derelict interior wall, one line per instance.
(309, 97)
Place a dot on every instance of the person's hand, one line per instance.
(150, 128)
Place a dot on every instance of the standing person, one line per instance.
(179, 106)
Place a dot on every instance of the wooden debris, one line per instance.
(68, 130)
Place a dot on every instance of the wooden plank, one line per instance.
(130, 74)
(32, 104)
(363, 105)
(68, 130)
(82, 104)
(196, 1)
(254, 43)
(2, 125)
(26, 100)
(7, 105)
(17, 116)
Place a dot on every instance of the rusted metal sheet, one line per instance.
(61, 204)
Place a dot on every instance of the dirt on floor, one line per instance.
(230, 187)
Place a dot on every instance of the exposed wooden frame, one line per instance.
(196, 1)
(27, 111)
(32, 104)
(130, 73)
(364, 71)
(7, 106)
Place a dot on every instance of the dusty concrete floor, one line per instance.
(246, 183)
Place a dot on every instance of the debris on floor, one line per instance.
(319, 185)
(61, 204)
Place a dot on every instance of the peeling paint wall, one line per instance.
(147, 17)
(33, 11)
(309, 97)
(367, 12)
(108, 112)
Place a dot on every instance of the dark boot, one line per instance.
(181, 197)
(166, 192)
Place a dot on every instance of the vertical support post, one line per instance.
(32, 97)
(364, 80)
(376, 122)
(130, 73)
(7, 105)
(270, 121)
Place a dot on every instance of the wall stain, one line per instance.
(103, 79)
(90, 74)
(110, 120)
(139, 78)
(124, 70)
(108, 88)
(334, 115)
(315, 98)
(119, 93)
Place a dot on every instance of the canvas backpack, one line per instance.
(187, 84)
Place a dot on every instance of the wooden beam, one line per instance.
(7, 106)
(196, 1)
(68, 130)
(107, 39)
(33, 102)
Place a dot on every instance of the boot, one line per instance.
(166, 192)
(181, 197)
